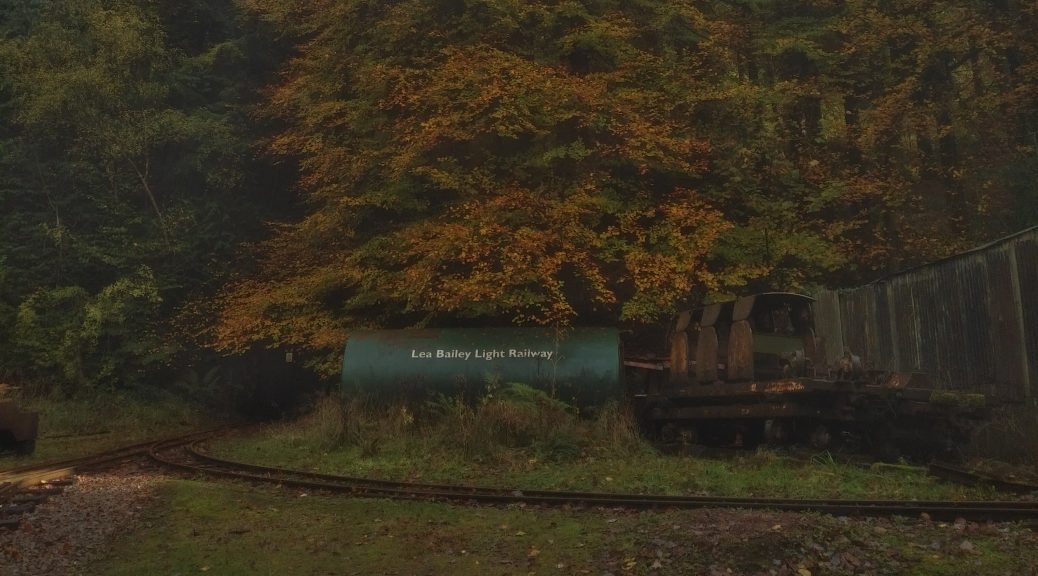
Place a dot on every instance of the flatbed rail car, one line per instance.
(912, 359)
(744, 372)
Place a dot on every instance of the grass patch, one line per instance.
(231, 529)
(79, 426)
(531, 443)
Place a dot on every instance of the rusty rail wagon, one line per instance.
(914, 356)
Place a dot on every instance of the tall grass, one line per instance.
(1010, 434)
(117, 414)
(515, 422)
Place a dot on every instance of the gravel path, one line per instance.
(70, 529)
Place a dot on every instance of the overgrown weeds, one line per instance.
(118, 414)
(513, 423)
(520, 438)
(89, 423)
(1010, 435)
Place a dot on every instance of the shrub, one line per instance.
(514, 423)
(1011, 434)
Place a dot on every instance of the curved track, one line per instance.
(43, 471)
(193, 460)
(23, 487)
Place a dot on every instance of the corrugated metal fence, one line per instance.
(970, 321)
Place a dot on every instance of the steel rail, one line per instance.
(194, 450)
(22, 488)
(989, 510)
(31, 473)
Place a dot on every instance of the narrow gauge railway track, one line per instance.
(191, 459)
(43, 471)
(23, 487)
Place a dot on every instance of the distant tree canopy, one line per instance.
(123, 155)
(503, 160)
(571, 161)
(458, 161)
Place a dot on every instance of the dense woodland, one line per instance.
(185, 179)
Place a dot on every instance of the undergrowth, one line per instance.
(118, 414)
(514, 422)
(520, 437)
(88, 423)
(1009, 435)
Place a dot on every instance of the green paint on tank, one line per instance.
(582, 366)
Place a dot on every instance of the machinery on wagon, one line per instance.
(910, 360)
(754, 370)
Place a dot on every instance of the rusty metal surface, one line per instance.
(970, 322)
(711, 313)
(743, 307)
(783, 387)
(679, 357)
(740, 352)
(706, 355)
(763, 410)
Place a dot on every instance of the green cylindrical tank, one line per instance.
(582, 366)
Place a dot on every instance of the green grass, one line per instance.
(556, 451)
(762, 474)
(198, 527)
(231, 530)
(75, 427)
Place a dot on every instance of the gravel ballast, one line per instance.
(76, 526)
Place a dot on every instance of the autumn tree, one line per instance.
(854, 139)
(481, 161)
(505, 160)
(122, 163)
(601, 161)
(941, 117)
